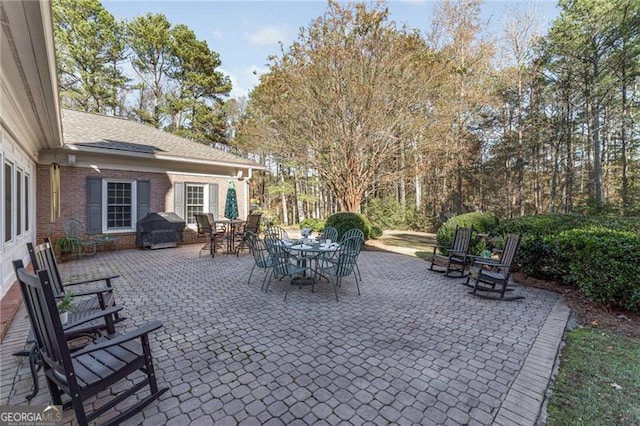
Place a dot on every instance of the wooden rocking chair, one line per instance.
(456, 256)
(492, 275)
(99, 297)
(94, 369)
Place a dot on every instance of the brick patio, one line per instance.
(414, 348)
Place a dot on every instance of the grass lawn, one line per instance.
(598, 382)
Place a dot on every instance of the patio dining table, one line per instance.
(313, 251)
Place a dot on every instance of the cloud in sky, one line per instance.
(245, 80)
(217, 34)
(268, 35)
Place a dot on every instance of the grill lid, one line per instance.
(160, 220)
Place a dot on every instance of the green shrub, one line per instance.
(376, 232)
(316, 224)
(603, 263)
(481, 222)
(541, 225)
(539, 254)
(631, 224)
(346, 220)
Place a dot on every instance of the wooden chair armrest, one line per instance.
(437, 246)
(458, 251)
(440, 248)
(483, 261)
(94, 280)
(120, 339)
(68, 328)
(89, 292)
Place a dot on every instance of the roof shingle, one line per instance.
(84, 129)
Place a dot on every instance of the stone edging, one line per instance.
(527, 393)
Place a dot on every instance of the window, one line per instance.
(19, 205)
(114, 205)
(25, 200)
(119, 205)
(195, 201)
(194, 198)
(8, 201)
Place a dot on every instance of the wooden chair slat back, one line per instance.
(39, 298)
(43, 257)
(508, 255)
(462, 239)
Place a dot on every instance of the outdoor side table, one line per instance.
(110, 241)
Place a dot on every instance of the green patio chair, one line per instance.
(73, 230)
(342, 263)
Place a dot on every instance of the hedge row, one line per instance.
(600, 255)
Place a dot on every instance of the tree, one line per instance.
(521, 35)
(194, 103)
(179, 71)
(465, 92)
(89, 47)
(584, 35)
(149, 39)
(341, 98)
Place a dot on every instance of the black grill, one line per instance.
(159, 230)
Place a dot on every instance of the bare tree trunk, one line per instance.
(417, 182)
(459, 188)
(300, 213)
(520, 153)
(569, 169)
(554, 174)
(624, 190)
(283, 200)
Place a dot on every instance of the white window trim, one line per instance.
(8, 241)
(28, 211)
(134, 203)
(205, 200)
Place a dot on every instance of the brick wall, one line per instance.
(73, 198)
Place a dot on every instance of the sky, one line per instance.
(246, 33)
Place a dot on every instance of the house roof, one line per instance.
(95, 132)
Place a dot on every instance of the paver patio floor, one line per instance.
(414, 348)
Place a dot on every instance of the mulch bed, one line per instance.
(586, 312)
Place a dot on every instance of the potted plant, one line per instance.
(65, 306)
(67, 246)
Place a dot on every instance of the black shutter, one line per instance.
(94, 205)
(143, 195)
(178, 199)
(213, 199)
